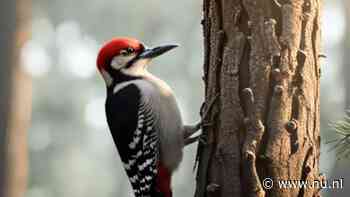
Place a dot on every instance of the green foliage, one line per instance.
(342, 144)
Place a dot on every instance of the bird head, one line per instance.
(126, 55)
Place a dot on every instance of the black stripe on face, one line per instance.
(132, 61)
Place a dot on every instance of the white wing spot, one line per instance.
(132, 144)
(138, 132)
(130, 163)
(134, 178)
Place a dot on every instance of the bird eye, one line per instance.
(130, 50)
(127, 51)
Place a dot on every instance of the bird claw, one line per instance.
(202, 140)
(207, 124)
(190, 130)
(204, 112)
(205, 109)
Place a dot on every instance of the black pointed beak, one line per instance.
(150, 53)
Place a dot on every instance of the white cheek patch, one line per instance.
(120, 61)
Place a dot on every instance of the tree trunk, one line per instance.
(7, 17)
(15, 90)
(262, 59)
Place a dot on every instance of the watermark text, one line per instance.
(269, 183)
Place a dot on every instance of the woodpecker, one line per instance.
(143, 116)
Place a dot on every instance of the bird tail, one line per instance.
(163, 182)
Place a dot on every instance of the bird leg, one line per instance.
(189, 130)
(191, 140)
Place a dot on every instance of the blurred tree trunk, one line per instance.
(15, 102)
(346, 63)
(262, 59)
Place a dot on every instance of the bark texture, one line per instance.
(15, 102)
(262, 59)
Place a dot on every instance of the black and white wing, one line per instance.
(132, 124)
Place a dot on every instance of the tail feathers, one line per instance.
(163, 182)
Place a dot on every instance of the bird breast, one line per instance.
(170, 123)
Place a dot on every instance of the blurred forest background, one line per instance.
(70, 149)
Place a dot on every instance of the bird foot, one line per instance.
(190, 130)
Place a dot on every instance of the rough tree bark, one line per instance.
(15, 98)
(262, 59)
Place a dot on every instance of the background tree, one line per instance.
(342, 127)
(262, 59)
(15, 102)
